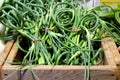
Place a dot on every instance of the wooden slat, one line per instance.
(110, 47)
(12, 55)
(59, 72)
(114, 51)
(4, 53)
(107, 51)
(115, 55)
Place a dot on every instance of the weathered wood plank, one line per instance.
(59, 72)
(12, 55)
(115, 54)
(114, 51)
(109, 60)
(6, 51)
(4, 54)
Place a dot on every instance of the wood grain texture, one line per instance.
(115, 54)
(4, 54)
(114, 51)
(59, 72)
(12, 55)
(108, 53)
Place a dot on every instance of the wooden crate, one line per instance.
(108, 71)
